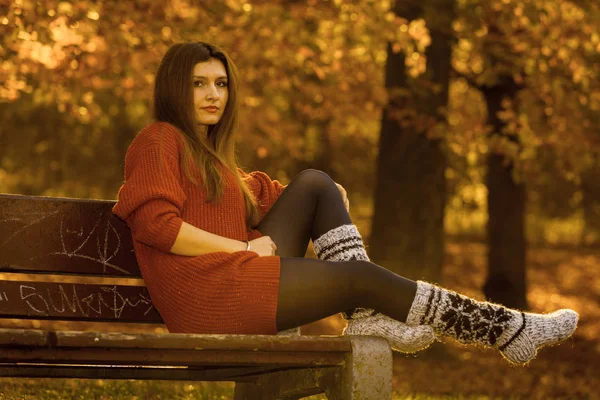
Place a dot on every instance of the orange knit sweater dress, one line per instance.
(211, 293)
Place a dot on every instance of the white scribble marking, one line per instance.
(62, 240)
(3, 296)
(93, 303)
(34, 293)
(41, 216)
(102, 249)
(80, 233)
(104, 252)
(64, 299)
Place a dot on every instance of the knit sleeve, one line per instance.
(151, 198)
(266, 190)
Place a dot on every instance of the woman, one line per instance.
(222, 251)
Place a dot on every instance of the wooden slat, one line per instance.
(23, 337)
(239, 374)
(72, 278)
(265, 343)
(64, 235)
(174, 341)
(74, 347)
(76, 301)
(192, 358)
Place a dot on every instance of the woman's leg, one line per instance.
(311, 207)
(312, 289)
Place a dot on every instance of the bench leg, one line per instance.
(246, 391)
(368, 372)
(367, 375)
(285, 385)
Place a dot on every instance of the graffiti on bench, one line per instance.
(77, 301)
(38, 217)
(64, 236)
(106, 298)
(102, 244)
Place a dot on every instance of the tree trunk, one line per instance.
(319, 148)
(506, 280)
(590, 203)
(410, 193)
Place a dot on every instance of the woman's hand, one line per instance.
(263, 246)
(344, 196)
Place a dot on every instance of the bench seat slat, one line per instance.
(10, 337)
(74, 347)
(23, 337)
(239, 374)
(170, 357)
(76, 301)
(203, 342)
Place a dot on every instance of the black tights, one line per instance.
(312, 289)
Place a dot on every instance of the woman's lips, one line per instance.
(210, 109)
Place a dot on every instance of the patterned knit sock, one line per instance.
(344, 243)
(516, 334)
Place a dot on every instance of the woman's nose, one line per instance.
(213, 93)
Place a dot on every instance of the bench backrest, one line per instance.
(65, 245)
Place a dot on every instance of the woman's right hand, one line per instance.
(264, 246)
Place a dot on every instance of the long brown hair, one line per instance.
(174, 103)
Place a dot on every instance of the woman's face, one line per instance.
(210, 91)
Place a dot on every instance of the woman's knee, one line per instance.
(314, 178)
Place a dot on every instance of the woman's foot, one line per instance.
(518, 335)
(402, 337)
(290, 332)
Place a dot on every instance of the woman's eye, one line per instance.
(220, 84)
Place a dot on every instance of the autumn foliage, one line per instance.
(77, 79)
(76, 82)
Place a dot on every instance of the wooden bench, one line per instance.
(71, 262)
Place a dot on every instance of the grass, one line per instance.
(55, 389)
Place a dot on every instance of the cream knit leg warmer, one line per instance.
(344, 243)
(516, 334)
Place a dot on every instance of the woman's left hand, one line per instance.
(344, 196)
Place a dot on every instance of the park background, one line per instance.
(466, 132)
